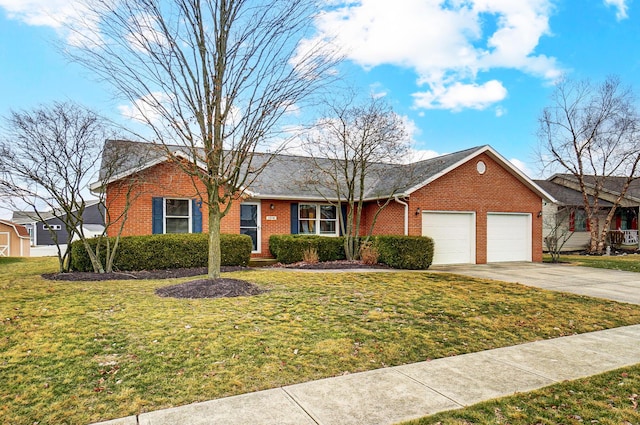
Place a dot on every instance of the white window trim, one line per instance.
(317, 220)
(165, 216)
(259, 225)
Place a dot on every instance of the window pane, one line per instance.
(177, 207)
(254, 236)
(248, 215)
(327, 227)
(307, 211)
(177, 225)
(581, 221)
(327, 212)
(307, 227)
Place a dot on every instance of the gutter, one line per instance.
(406, 214)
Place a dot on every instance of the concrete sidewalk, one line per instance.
(395, 394)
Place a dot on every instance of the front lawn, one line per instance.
(80, 352)
(629, 262)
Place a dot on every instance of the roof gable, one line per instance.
(294, 177)
(448, 163)
(611, 186)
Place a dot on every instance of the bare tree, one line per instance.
(360, 141)
(117, 156)
(558, 231)
(213, 76)
(592, 132)
(47, 159)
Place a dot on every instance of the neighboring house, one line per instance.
(14, 240)
(40, 229)
(569, 213)
(476, 205)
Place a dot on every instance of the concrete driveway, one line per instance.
(610, 284)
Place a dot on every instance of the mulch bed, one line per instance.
(331, 265)
(208, 288)
(142, 274)
(204, 288)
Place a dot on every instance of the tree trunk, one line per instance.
(93, 256)
(214, 243)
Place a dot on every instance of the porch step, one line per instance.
(262, 262)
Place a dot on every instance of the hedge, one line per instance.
(404, 252)
(159, 252)
(290, 248)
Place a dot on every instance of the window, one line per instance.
(177, 215)
(315, 219)
(578, 221)
(55, 227)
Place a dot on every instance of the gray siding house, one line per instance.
(41, 229)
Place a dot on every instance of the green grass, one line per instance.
(629, 263)
(607, 399)
(80, 352)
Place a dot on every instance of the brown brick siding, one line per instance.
(463, 189)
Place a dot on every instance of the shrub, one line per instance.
(157, 252)
(290, 248)
(405, 252)
(369, 253)
(310, 255)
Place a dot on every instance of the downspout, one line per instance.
(406, 214)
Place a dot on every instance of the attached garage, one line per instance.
(508, 237)
(453, 234)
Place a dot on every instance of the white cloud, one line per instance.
(70, 18)
(458, 96)
(51, 13)
(416, 155)
(145, 109)
(621, 7)
(447, 43)
(147, 34)
(522, 166)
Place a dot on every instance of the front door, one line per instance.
(250, 223)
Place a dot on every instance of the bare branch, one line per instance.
(216, 77)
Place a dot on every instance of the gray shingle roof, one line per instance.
(288, 176)
(565, 195)
(612, 184)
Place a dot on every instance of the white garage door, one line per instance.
(453, 235)
(508, 237)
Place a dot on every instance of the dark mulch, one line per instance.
(210, 288)
(204, 288)
(142, 274)
(331, 265)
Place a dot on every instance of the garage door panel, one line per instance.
(453, 235)
(508, 237)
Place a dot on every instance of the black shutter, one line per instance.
(343, 218)
(294, 218)
(196, 216)
(157, 207)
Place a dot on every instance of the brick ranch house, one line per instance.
(476, 205)
(568, 213)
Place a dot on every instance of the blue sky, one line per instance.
(462, 72)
